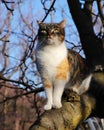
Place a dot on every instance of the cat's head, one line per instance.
(51, 33)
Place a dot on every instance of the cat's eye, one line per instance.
(43, 31)
(55, 30)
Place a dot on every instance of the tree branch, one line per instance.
(89, 41)
(68, 117)
(75, 108)
(36, 90)
(6, 5)
(100, 11)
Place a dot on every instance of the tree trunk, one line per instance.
(91, 44)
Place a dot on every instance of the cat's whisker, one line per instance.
(41, 43)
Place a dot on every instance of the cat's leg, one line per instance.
(48, 90)
(48, 106)
(57, 93)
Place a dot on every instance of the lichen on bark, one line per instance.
(75, 109)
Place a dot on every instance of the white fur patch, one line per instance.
(57, 93)
(51, 56)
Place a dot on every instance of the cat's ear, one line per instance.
(62, 23)
(39, 22)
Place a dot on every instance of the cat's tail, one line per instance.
(85, 85)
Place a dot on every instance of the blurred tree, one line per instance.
(18, 33)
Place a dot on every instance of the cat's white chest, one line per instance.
(51, 56)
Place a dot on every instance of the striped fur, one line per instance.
(59, 68)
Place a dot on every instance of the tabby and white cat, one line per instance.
(58, 66)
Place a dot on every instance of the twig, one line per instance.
(36, 90)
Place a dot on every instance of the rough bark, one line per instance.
(97, 91)
(75, 108)
(68, 117)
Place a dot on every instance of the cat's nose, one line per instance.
(50, 32)
(49, 36)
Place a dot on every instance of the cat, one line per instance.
(58, 66)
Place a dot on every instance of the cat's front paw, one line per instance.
(47, 107)
(57, 105)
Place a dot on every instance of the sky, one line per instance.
(36, 12)
(24, 21)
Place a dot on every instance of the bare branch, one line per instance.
(36, 90)
(100, 9)
(30, 87)
(6, 5)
